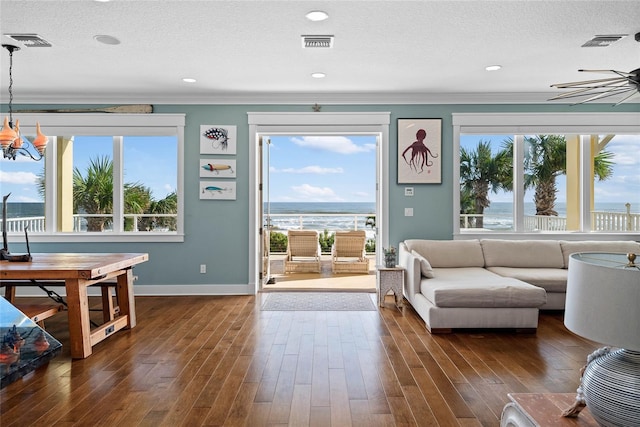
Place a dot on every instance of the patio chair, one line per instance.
(348, 254)
(303, 252)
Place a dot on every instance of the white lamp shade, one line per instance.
(603, 299)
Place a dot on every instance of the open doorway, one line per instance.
(314, 187)
(262, 125)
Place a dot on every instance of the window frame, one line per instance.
(106, 124)
(533, 124)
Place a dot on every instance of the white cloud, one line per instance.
(18, 177)
(25, 199)
(361, 194)
(314, 169)
(309, 193)
(336, 144)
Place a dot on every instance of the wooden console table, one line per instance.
(79, 271)
(543, 410)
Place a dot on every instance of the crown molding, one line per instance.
(303, 98)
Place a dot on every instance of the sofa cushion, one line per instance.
(522, 253)
(448, 253)
(551, 279)
(425, 267)
(478, 287)
(621, 246)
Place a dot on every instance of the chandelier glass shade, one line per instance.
(11, 140)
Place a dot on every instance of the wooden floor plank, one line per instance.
(198, 361)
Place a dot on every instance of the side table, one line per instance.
(390, 279)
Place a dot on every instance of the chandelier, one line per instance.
(10, 139)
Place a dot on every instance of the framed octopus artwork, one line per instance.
(419, 151)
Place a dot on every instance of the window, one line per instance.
(547, 173)
(104, 178)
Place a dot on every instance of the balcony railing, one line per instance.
(37, 224)
(319, 221)
(600, 221)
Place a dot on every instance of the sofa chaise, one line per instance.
(490, 283)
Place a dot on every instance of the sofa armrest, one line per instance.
(412, 275)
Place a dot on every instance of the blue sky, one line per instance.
(322, 168)
(622, 187)
(148, 160)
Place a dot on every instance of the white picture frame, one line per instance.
(218, 139)
(419, 151)
(217, 190)
(217, 167)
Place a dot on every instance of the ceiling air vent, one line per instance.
(312, 42)
(30, 40)
(604, 41)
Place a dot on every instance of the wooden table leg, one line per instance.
(79, 322)
(126, 298)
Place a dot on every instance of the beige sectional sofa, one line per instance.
(491, 283)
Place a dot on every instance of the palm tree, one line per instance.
(545, 158)
(168, 205)
(93, 193)
(482, 171)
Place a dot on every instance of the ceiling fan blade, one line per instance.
(571, 94)
(583, 82)
(633, 93)
(602, 95)
(603, 71)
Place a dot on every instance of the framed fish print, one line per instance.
(217, 139)
(419, 151)
(217, 190)
(218, 167)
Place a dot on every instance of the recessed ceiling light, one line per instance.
(189, 80)
(104, 39)
(493, 67)
(317, 15)
(318, 75)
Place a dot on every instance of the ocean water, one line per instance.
(333, 216)
(22, 210)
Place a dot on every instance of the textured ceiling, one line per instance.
(250, 51)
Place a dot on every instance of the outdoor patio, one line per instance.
(324, 280)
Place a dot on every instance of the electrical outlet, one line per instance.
(203, 268)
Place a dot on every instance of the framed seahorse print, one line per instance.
(419, 151)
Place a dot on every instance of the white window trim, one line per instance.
(321, 123)
(539, 123)
(111, 125)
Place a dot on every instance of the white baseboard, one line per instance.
(152, 290)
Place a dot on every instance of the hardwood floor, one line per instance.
(222, 361)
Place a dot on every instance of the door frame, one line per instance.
(299, 123)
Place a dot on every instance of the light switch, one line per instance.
(408, 211)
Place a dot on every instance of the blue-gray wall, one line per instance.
(216, 234)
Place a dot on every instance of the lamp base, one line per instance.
(611, 388)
